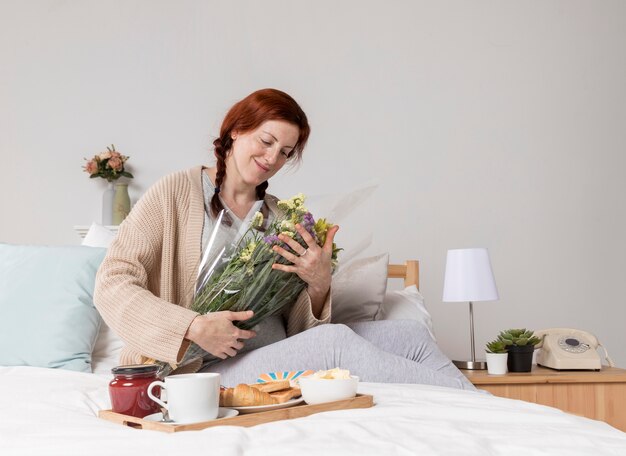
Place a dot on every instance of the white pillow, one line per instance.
(106, 353)
(107, 350)
(359, 288)
(407, 304)
(98, 236)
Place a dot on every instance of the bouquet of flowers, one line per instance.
(237, 274)
(109, 165)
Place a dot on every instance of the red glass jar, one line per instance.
(129, 390)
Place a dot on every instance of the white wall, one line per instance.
(487, 123)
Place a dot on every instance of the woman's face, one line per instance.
(257, 155)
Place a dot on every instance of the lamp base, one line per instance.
(471, 365)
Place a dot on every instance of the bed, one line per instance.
(54, 411)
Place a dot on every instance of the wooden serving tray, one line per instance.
(247, 420)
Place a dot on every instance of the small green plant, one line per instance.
(496, 346)
(518, 337)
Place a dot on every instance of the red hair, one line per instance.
(247, 115)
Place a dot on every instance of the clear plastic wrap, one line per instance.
(236, 274)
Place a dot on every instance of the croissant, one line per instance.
(243, 396)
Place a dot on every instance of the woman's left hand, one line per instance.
(313, 264)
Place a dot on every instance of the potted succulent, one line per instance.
(520, 344)
(497, 357)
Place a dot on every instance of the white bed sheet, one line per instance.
(54, 412)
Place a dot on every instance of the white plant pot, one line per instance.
(496, 363)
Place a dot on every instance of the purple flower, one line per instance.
(271, 240)
(308, 223)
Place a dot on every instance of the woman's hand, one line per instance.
(313, 264)
(216, 333)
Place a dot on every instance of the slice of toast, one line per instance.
(286, 395)
(270, 387)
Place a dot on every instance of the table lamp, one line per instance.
(469, 278)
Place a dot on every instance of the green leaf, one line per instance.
(534, 340)
(496, 346)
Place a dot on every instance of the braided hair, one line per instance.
(247, 115)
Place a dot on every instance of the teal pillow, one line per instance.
(47, 315)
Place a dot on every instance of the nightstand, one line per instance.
(597, 395)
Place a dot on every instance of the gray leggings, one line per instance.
(387, 351)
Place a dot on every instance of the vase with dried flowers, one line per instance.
(109, 165)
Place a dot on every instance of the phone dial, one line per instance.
(564, 348)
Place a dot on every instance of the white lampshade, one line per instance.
(469, 276)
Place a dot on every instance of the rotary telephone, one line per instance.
(564, 348)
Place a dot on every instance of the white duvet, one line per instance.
(54, 412)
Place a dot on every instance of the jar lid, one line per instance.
(135, 369)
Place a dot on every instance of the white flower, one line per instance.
(293, 204)
(298, 200)
(257, 220)
(287, 225)
(246, 253)
(285, 205)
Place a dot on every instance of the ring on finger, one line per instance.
(304, 253)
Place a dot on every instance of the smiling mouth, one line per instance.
(261, 166)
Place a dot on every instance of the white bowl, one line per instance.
(318, 390)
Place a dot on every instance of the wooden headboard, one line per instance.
(410, 272)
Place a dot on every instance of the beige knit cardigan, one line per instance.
(145, 284)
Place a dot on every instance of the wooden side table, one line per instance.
(597, 395)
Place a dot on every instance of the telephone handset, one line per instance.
(564, 348)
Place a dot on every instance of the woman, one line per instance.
(145, 285)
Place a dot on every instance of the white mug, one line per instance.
(191, 398)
